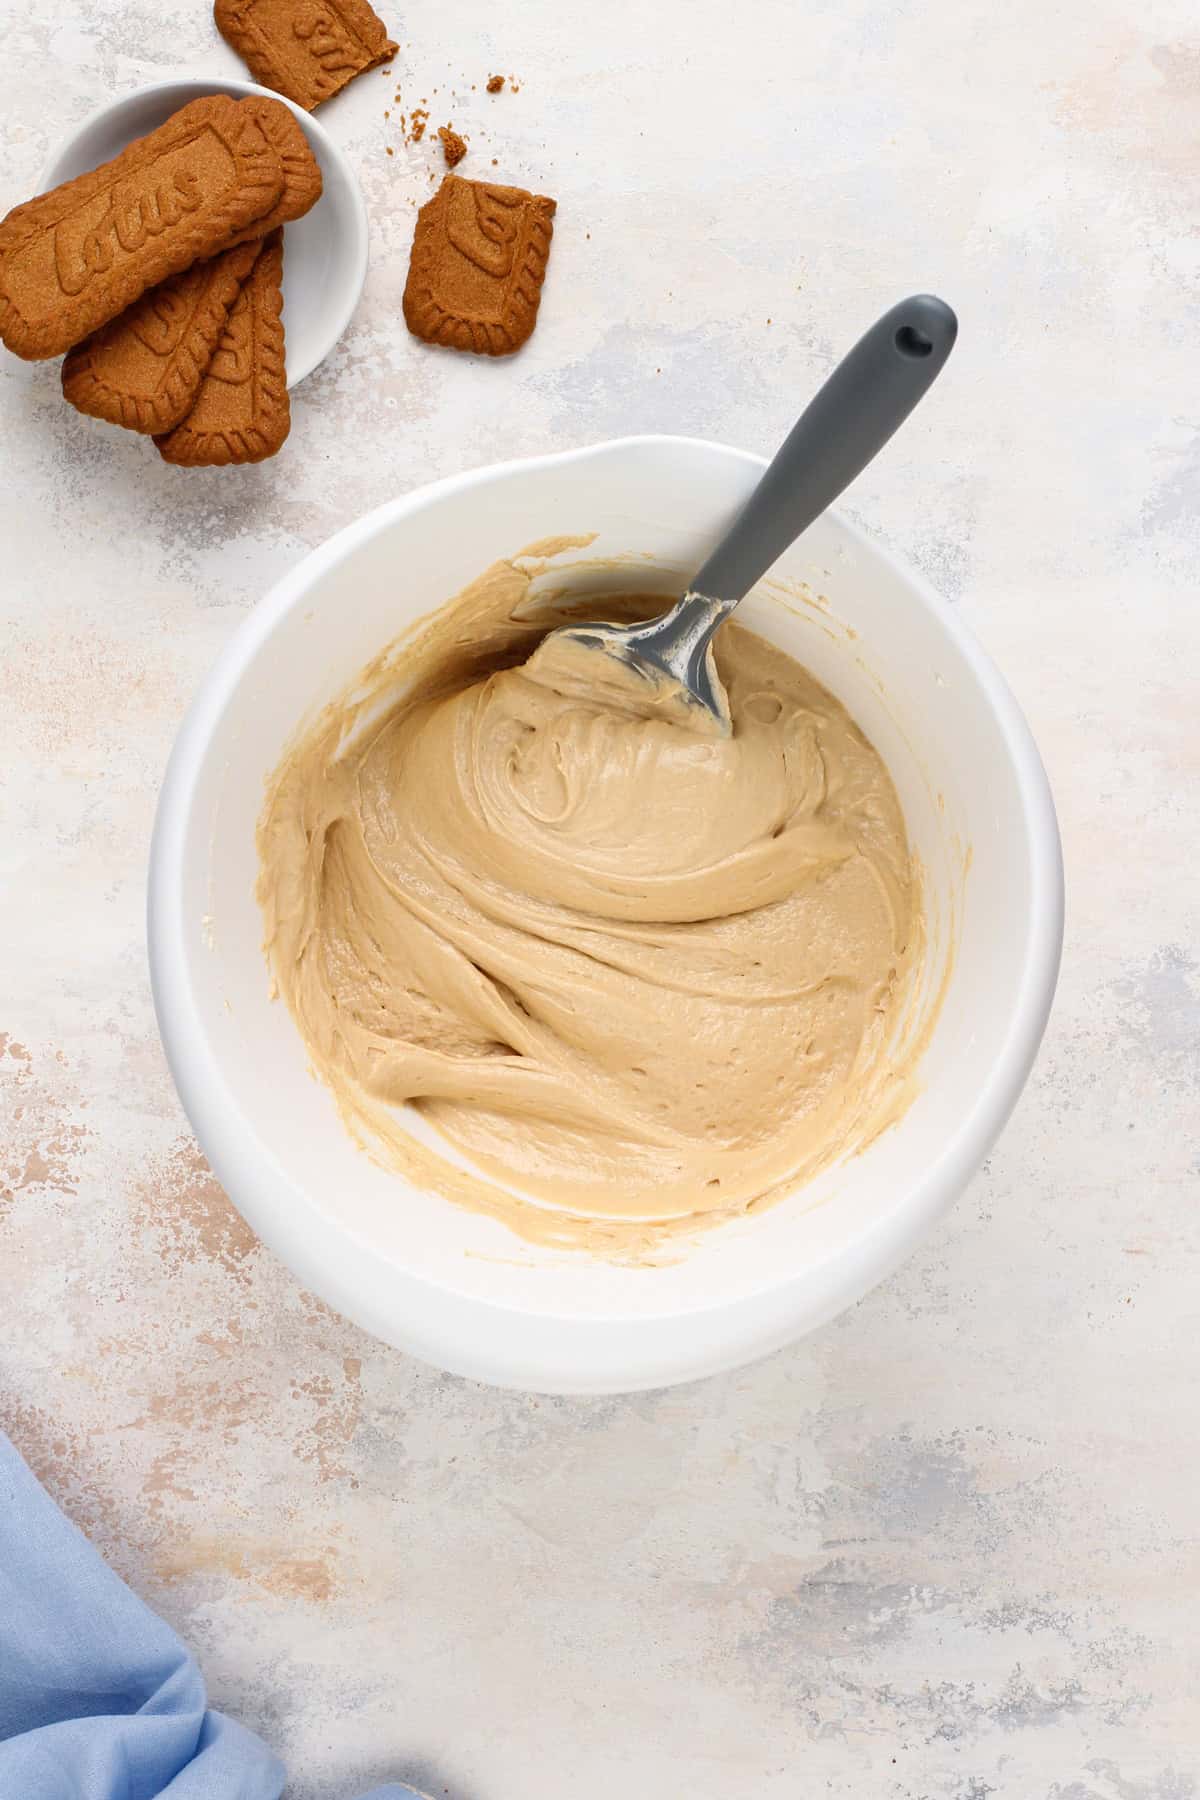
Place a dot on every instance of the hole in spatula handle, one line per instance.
(911, 342)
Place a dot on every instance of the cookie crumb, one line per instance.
(454, 148)
(495, 83)
(418, 119)
(390, 151)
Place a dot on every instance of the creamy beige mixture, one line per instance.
(649, 977)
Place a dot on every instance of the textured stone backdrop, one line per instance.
(947, 1548)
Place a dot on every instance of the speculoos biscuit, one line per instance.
(477, 266)
(242, 414)
(302, 180)
(306, 49)
(144, 369)
(74, 258)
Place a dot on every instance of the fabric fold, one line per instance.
(99, 1699)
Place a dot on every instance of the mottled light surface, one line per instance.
(947, 1548)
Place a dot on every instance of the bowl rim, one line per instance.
(196, 86)
(881, 1242)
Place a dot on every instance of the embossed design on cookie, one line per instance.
(159, 319)
(477, 266)
(74, 258)
(302, 179)
(144, 370)
(483, 223)
(234, 360)
(329, 43)
(241, 413)
(86, 246)
(306, 49)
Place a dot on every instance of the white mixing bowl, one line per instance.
(458, 1289)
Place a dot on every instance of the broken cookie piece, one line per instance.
(478, 263)
(306, 49)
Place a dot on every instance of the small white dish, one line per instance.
(452, 1286)
(325, 252)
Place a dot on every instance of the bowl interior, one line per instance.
(325, 252)
(965, 771)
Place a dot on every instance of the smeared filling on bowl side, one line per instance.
(650, 978)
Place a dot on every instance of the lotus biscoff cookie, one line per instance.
(477, 266)
(241, 413)
(302, 181)
(306, 49)
(74, 258)
(144, 369)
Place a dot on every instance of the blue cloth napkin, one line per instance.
(99, 1700)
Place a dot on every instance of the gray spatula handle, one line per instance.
(869, 394)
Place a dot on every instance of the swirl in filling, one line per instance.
(648, 978)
